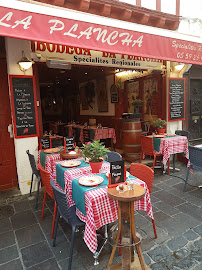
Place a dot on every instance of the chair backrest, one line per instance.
(45, 177)
(86, 135)
(32, 163)
(61, 201)
(144, 173)
(113, 156)
(195, 157)
(182, 133)
(147, 145)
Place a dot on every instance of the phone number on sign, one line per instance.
(189, 56)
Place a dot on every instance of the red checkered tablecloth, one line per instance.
(173, 145)
(49, 161)
(104, 133)
(100, 209)
(100, 133)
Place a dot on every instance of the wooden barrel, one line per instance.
(131, 132)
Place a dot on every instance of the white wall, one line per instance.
(14, 49)
(150, 4)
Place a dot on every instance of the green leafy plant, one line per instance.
(159, 123)
(137, 103)
(94, 150)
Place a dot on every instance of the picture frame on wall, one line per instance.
(114, 93)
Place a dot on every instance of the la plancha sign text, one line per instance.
(55, 30)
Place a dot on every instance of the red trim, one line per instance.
(178, 119)
(13, 105)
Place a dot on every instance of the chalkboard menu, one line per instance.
(176, 99)
(117, 172)
(69, 143)
(45, 143)
(24, 108)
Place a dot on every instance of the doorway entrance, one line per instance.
(195, 122)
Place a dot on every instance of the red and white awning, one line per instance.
(57, 30)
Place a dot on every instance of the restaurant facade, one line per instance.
(54, 35)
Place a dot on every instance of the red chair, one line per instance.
(148, 149)
(145, 174)
(45, 177)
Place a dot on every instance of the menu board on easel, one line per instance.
(176, 99)
(24, 109)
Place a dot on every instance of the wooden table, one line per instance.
(126, 225)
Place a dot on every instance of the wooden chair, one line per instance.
(68, 214)
(195, 158)
(35, 172)
(145, 174)
(148, 149)
(45, 177)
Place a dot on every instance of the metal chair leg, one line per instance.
(56, 227)
(173, 163)
(71, 248)
(30, 192)
(37, 192)
(185, 184)
(44, 200)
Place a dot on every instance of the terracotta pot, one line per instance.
(96, 166)
(161, 130)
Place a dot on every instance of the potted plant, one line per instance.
(95, 151)
(137, 103)
(160, 125)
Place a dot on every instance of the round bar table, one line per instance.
(126, 225)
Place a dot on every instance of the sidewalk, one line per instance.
(25, 240)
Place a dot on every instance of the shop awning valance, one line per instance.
(39, 27)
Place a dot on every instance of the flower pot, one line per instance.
(136, 110)
(161, 130)
(96, 166)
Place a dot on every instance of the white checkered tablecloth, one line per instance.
(104, 133)
(173, 145)
(100, 209)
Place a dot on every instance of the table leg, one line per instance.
(112, 144)
(135, 238)
(117, 238)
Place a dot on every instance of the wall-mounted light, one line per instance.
(24, 63)
(179, 67)
(127, 72)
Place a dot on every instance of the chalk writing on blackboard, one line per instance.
(23, 107)
(45, 143)
(70, 143)
(117, 172)
(176, 99)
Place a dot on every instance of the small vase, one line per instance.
(96, 166)
(136, 110)
(161, 131)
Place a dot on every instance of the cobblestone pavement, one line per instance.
(25, 240)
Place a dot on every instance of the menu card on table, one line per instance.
(69, 143)
(117, 173)
(45, 143)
